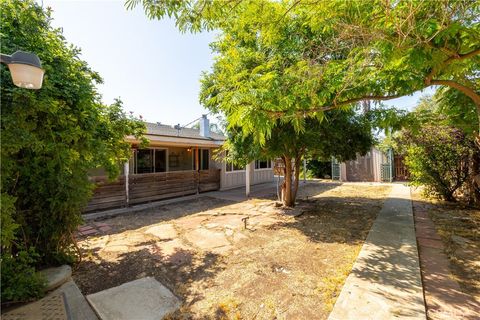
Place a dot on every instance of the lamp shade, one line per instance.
(26, 76)
(26, 70)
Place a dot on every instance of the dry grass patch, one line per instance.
(281, 267)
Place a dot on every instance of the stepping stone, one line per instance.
(189, 223)
(167, 248)
(163, 231)
(57, 276)
(207, 239)
(145, 299)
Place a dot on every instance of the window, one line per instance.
(144, 161)
(204, 159)
(233, 167)
(161, 160)
(263, 164)
(151, 160)
(229, 166)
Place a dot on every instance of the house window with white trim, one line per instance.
(233, 167)
(230, 166)
(263, 164)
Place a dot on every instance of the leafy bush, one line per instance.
(8, 225)
(319, 169)
(51, 138)
(20, 281)
(438, 158)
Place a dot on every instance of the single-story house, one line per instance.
(374, 166)
(177, 162)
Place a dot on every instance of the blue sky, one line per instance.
(150, 65)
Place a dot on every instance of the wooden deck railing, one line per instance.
(209, 180)
(149, 187)
(156, 186)
(107, 194)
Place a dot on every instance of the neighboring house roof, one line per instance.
(162, 134)
(166, 130)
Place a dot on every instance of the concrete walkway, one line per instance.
(385, 282)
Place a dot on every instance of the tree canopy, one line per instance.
(342, 134)
(281, 62)
(343, 51)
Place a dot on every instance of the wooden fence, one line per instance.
(209, 180)
(107, 194)
(150, 187)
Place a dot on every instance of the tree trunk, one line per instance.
(297, 177)
(287, 186)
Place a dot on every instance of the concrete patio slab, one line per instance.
(145, 299)
(385, 282)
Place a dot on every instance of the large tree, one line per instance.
(51, 137)
(342, 135)
(346, 51)
(253, 73)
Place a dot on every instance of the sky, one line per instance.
(154, 68)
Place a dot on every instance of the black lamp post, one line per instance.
(26, 69)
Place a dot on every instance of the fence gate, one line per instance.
(387, 167)
(335, 169)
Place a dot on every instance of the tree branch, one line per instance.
(452, 58)
(336, 105)
(469, 92)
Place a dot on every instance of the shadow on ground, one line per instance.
(282, 267)
(175, 270)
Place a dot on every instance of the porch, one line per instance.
(133, 189)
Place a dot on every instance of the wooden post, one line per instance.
(196, 160)
(247, 180)
(126, 172)
(197, 169)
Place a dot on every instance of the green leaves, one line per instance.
(52, 137)
(438, 158)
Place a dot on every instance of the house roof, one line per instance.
(169, 131)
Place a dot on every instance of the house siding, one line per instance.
(364, 168)
(235, 179)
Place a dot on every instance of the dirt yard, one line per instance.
(279, 267)
(459, 228)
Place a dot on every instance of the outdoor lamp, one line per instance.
(26, 69)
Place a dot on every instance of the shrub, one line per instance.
(20, 281)
(320, 169)
(51, 138)
(438, 158)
